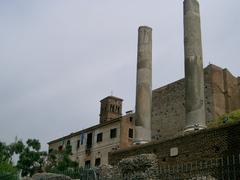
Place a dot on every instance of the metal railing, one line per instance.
(81, 173)
(225, 168)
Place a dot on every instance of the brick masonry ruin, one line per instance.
(222, 95)
(204, 144)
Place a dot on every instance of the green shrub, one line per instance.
(8, 172)
(7, 167)
(226, 119)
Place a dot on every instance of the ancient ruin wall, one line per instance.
(218, 89)
(231, 91)
(205, 144)
(168, 109)
(168, 112)
(226, 93)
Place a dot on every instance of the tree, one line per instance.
(34, 144)
(4, 153)
(6, 165)
(15, 148)
(7, 168)
(31, 159)
(60, 160)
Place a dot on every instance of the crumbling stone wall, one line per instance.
(222, 95)
(168, 110)
(144, 166)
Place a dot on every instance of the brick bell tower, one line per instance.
(111, 108)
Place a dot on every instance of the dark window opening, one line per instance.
(130, 119)
(102, 110)
(217, 149)
(81, 138)
(113, 133)
(87, 164)
(60, 148)
(68, 142)
(50, 150)
(78, 144)
(98, 162)
(130, 133)
(99, 137)
(89, 140)
(113, 108)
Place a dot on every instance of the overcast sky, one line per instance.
(59, 58)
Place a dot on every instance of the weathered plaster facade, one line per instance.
(90, 147)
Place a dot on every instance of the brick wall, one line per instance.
(231, 91)
(204, 144)
(219, 92)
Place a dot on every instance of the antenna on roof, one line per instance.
(111, 92)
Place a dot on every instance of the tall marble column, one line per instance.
(194, 79)
(143, 112)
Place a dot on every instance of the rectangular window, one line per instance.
(113, 133)
(130, 133)
(89, 140)
(99, 137)
(87, 164)
(98, 162)
(81, 138)
(78, 144)
(60, 148)
(68, 142)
